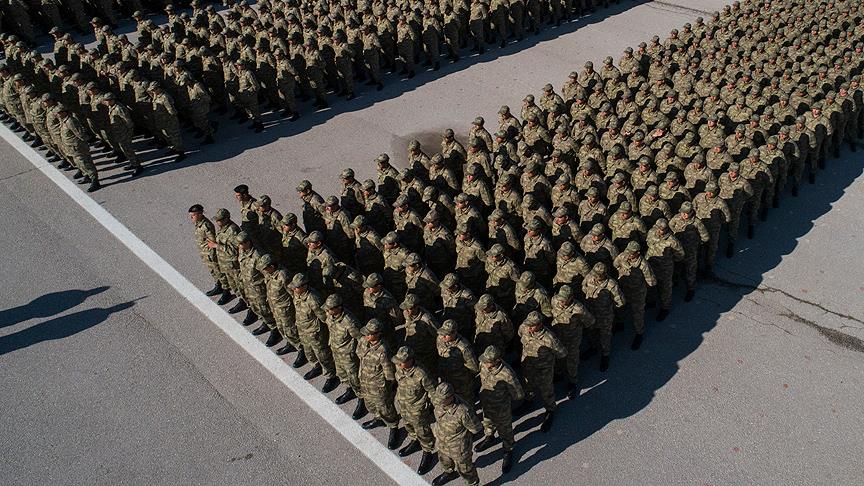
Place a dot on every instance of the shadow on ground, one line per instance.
(634, 377)
(47, 305)
(62, 326)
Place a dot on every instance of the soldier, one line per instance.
(74, 143)
(713, 212)
(344, 331)
(282, 306)
(246, 95)
(120, 130)
(454, 427)
(198, 107)
(378, 382)
(394, 264)
(368, 252)
(420, 281)
(458, 303)
(320, 262)
(310, 318)
(570, 319)
(634, 278)
(313, 206)
(735, 190)
(225, 245)
(692, 234)
(502, 275)
(379, 303)
(492, 325)
(254, 287)
(421, 331)
(293, 246)
(413, 402)
(470, 259)
(165, 120)
(571, 267)
(603, 296)
(499, 390)
(205, 234)
(457, 363)
(540, 349)
(664, 250)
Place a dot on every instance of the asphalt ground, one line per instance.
(756, 381)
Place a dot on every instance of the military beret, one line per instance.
(404, 354)
(490, 355)
(448, 328)
(242, 237)
(331, 201)
(495, 250)
(315, 237)
(374, 326)
(534, 319)
(196, 208)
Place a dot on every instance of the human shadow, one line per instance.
(634, 377)
(59, 327)
(47, 305)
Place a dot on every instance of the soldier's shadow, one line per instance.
(635, 377)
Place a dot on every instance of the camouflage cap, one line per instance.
(567, 249)
(527, 278)
(597, 229)
(368, 185)
(533, 319)
(242, 237)
(402, 200)
(495, 250)
(671, 176)
(490, 355)
(347, 173)
(528, 98)
(624, 206)
(222, 214)
(485, 301)
(444, 390)
(359, 221)
(413, 259)
(374, 326)
(266, 261)
(535, 225)
(298, 281)
(390, 238)
(432, 216)
(331, 201)
(449, 280)
(404, 354)
(411, 301)
(711, 187)
(599, 269)
(373, 280)
(448, 328)
(448, 133)
(686, 207)
(662, 223)
(304, 186)
(333, 301)
(504, 110)
(479, 121)
(314, 237)
(289, 219)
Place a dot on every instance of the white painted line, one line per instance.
(388, 462)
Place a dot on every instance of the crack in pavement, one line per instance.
(680, 8)
(4, 179)
(833, 335)
(749, 317)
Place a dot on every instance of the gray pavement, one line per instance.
(756, 381)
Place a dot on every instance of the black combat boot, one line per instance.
(216, 290)
(288, 348)
(78, 175)
(226, 297)
(372, 424)
(300, 360)
(507, 462)
(427, 462)
(94, 186)
(240, 306)
(346, 397)
(274, 338)
(313, 373)
(409, 449)
(331, 384)
(662, 315)
(359, 410)
(395, 439)
(637, 342)
(250, 317)
(572, 390)
(445, 478)
(484, 444)
(258, 126)
(548, 420)
(260, 330)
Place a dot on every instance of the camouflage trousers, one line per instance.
(498, 419)
(406, 54)
(691, 264)
(539, 380)
(212, 264)
(122, 143)
(168, 130)
(761, 195)
(372, 62)
(256, 298)
(430, 48)
(635, 303)
(198, 115)
(287, 99)
(248, 104)
(317, 350)
(572, 342)
(463, 464)
(665, 282)
(229, 278)
(379, 402)
(284, 317)
(418, 425)
(713, 227)
(736, 207)
(347, 367)
(82, 160)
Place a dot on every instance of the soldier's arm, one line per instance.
(387, 368)
(617, 296)
(556, 346)
(517, 393)
(471, 422)
(703, 232)
(470, 360)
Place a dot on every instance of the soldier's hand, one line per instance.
(212, 244)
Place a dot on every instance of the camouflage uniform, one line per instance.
(569, 320)
(540, 349)
(499, 389)
(413, 391)
(454, 427)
